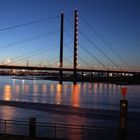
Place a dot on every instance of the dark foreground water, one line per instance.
(85, 95)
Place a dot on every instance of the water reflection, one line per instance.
(88, 95)
(17, 89)
(59, 94)
(44, 88)
(35, 88)
(65, 88)
(52, 88)
(26, 88)
(23, 83)
(7, 92)
(7, 113)
(75, 95)
(84, 88)
(14, 83)
(96, 88)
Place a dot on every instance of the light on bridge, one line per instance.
(58, 64)
(8, 61)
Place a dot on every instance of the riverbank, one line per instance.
(114, 80)
(63, 110)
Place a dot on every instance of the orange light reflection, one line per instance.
(7, 92)
(35, 88)
(44, 88)
(75, 95)
(52, 88)
(17, 87)
(58, 94)
(26, 88)
(65, 88)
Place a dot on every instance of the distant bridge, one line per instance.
(66, 69)
(106, 71)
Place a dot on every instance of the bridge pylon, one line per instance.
(61, 48)
(75, 45)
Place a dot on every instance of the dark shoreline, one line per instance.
(68, 110)
(111, 80)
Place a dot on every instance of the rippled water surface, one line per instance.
(86, 95)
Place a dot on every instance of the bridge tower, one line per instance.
(61, 48)
(75, 45)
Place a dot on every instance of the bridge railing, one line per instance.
(62, 131)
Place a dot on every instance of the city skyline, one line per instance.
(116, 22)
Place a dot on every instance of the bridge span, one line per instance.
(66, 69)
(77, 73)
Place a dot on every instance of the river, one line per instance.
(84, 95)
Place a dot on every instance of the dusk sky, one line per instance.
(116, 21)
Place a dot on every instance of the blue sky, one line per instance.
(117, 22)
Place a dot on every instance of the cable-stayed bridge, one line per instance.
(101, 69)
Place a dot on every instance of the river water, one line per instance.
(84, 95)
